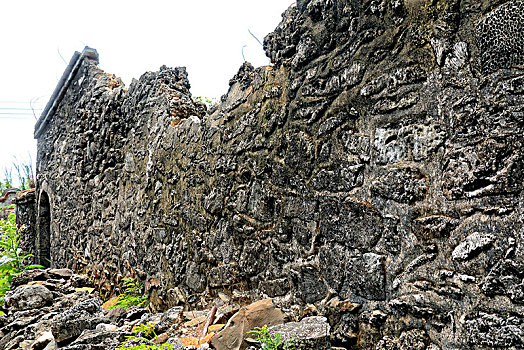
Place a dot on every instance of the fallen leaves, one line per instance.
(111, 302)
(87, 289)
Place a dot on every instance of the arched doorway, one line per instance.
(43, 233)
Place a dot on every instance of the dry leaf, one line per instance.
(206, 339)
(216, 327)
(88, 289)
(110, 302)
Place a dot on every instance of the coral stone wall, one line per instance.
(6, 199)
(26, 219)
(379, 160)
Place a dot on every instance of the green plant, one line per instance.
(149, 340)
(8, 180)
(272, 341)
(23, 170)
(25, 173)
(4, 185)
(132, 295)
(12, 259)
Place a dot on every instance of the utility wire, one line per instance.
(14, 101)
(253, 35)
(19, 118)
(18, 109)
(16, 113)
(62, 57)
(243, 57)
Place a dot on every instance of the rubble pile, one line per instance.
(57, 309)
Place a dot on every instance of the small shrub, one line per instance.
(7, 183)
(132, 296)
(12, 259)
(149, 340)
(272, 341)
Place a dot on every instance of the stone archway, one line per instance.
(43, 233)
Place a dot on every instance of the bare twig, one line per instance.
(209, 320)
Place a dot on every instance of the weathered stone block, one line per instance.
(28, 297)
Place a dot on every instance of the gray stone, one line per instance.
(28, 276)
(366, 277)
(492, 330)
(402, 185)
(310, 333)
(472, 244)
(28, 297)
(43, 341)
(116, 314)
(71, 323)
(99, 338)
(60, 273)
(177, 344)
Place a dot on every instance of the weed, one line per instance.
(272, 341)
(12, 259)
(132, 296)
(149, 340)
(25, 173)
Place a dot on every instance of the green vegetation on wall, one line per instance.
(12, 259)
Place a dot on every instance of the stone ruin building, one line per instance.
(379, 160)
(6, 198)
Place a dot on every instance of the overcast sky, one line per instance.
(39, 37)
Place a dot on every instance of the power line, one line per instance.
(253, 35)
(16, 113)
(20, 109)
(15, 102)
(20, 119)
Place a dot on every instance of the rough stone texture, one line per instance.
(26, 213)
(500, 35)
(258, 314)
(72, 319)
(310, 333)
(379, 160)
(45, 298)
(71, 323)
(6, 199)
(28, 297)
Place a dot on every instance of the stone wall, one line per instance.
(379, 160)
(26, 219)
(6, 199)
